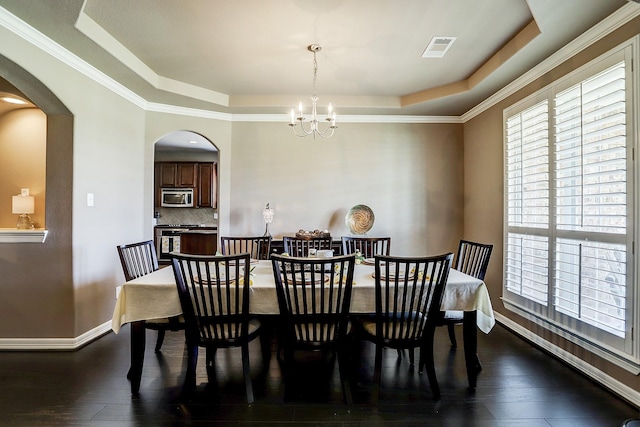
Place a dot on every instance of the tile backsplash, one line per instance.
(187, 216)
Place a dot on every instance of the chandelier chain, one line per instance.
(315, 72)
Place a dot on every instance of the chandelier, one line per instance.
(312, 127)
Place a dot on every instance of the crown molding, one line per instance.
(280, 118)
(41, 41)
(398, 119)
(102, 38)
(186, 111)
(586, 39)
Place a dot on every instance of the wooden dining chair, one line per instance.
(214, 296)
(367, 246)
(408, 294)
(257, 247)
(314, 298)
(138, 259)
(472, 259)
(299, 247)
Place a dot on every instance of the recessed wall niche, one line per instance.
(23, 148)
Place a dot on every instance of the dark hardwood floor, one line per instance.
(518, 386)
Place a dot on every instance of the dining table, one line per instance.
(155, 296)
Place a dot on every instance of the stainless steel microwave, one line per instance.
(176, 197)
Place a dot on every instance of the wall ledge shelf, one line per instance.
(12, 235)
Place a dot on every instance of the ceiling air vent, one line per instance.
(438, 46)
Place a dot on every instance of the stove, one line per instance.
(168, 239)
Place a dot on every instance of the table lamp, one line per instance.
(23, 205)
(267, 214)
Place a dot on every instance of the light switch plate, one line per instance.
(89, 199)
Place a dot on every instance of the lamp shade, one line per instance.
(22, 205)
(267, 214)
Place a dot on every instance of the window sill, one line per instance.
(12, 235)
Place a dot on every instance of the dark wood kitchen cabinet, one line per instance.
(207, 185)
(202, 177)
(176, 174)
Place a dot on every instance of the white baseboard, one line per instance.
(610, 383)
(64, 344)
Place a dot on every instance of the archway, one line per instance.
(189, 156)
(28, 269)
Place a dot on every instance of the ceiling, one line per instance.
(251, 56)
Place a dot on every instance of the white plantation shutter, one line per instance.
(590, 154)
(591, 200)
(569, 206)
(526, 266)
(527, 159)
(590, 283)
(528, 167)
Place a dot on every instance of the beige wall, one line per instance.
(410, 175)
(110, 161)
(483, 190)
(22, 162)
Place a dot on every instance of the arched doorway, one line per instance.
(185, 164)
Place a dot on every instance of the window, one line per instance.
(569, 208)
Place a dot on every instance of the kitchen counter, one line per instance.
(189, 226)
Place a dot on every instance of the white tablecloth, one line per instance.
(155, 296)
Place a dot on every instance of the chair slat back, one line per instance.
(299, 247)
(137, 259)
(473, 258)
(367, 246)
(314, 297)
(408, 295)
(214, 295)
(258, 247)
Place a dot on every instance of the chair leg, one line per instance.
(452, 335)
(377, 373)
(478, 364)
(246, 371)
(344, 379)
(190, 376)
(287, 367)
(211, 355)
(428, 360)
(411, 357)
(288, 361)
(160, 340)
(265, 347)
